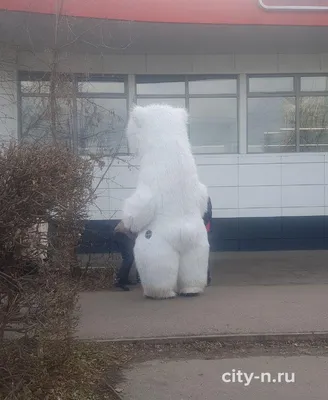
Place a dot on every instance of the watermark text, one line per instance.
(246, 378)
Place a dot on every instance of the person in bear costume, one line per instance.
(166, 209)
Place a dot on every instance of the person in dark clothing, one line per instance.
(125, 242)
(207, 218)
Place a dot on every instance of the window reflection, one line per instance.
(171, 102)
(213, 125)
(160, 85)
(271, 84)
(101, 124)
(211, 85)
(314, 124)
(271, 125)
(31, 87)
(101, 87)
(314, 84)
(36, 119)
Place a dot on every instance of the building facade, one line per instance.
(253, 75)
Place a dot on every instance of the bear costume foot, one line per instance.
(191, 292)
(160, 296)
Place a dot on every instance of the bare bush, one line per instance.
(41, 186)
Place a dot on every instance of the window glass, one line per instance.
(160, 85)
(213, 125)
(271, 125)
(171, 102)
(211, 85)
(101, 125)
(101, 87)
(314, 84)
(63, 86)
(36, 119)
(271, 84)
(314, 124)
(34, 87)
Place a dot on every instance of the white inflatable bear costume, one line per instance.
(166, 209)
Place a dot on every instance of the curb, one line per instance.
(224, 338)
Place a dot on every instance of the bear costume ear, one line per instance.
(184, 114)
(138, 115)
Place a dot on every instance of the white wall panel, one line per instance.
(303, 174)
(256, 63)
(260, 197)
(102, 202)
(303, 158)
(326, 195)
(259, 212)
(219, 175)
(299, 63)
(260, 175)
(303, 196)
(123, 177)
(212, 159)
(206, 64)
(326, 169)
(259, 159)
(224, 197)
(117, 197)
(169, 64)
(302, 211)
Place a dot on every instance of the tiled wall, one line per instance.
(239, 185)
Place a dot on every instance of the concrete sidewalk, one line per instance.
(260, 292)
(302, 378)
(220, 310)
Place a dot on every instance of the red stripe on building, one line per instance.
(229, 12)
(296, 3)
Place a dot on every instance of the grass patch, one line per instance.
(95, 369)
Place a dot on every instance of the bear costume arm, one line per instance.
(203, 199)
(139, 209)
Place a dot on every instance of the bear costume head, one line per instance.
(148, 124)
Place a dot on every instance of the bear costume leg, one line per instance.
(157, 264)
(193, 270)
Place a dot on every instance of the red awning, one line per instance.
(223, 12)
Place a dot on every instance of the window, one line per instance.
(213, 124)
(211, 101)
(287, 114)
(271, 85)
(102, 114)
(37, 121)
(160, 85)
(174, 102)
(93, 111)
(313, 120)
(101, 124)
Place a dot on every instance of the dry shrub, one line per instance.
(41, 186)
(98, 271)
